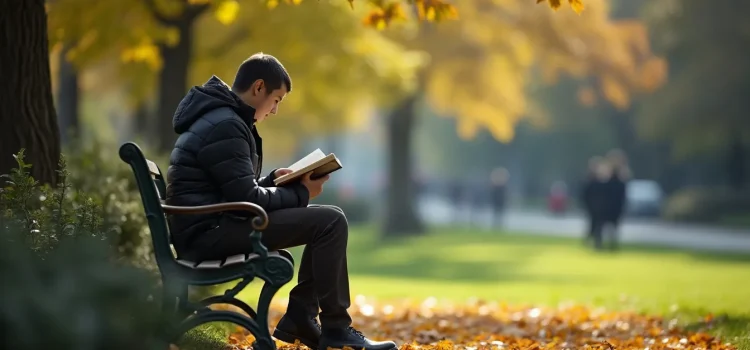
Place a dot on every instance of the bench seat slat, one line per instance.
(209, 264)
(235, 259)
(217, 264)
(186, 263)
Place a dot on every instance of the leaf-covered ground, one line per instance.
(526, 272)
(479, 325)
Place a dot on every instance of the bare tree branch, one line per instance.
(189, 14)
(193, 11)
(154, 9)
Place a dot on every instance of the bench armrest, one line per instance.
(260, 221)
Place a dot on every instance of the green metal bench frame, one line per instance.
(276, 268)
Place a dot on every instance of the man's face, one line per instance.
(265, 103)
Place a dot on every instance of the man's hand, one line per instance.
(281, 172)
(315, 187)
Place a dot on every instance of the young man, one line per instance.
(218, 158)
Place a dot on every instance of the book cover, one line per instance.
(317, 162)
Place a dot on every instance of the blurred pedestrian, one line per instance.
(598, 198)
(587, 194)
(616, 193)
(557, 200)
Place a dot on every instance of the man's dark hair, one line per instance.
(265, 67)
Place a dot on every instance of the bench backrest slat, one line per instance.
(152, 188)
(158, 179)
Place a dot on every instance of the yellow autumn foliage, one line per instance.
(338, 67)
(95, 29)
(226, 11)
(481, 65)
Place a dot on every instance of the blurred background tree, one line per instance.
(170, 37)
(712, 115)
(516, 81)
(481, 67)
(28, 114)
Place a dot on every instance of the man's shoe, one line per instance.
(340, 338)
(306, 331)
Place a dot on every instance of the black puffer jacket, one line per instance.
(217, 158)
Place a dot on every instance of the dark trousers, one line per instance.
(598, 226)
(323, 281)
(596, 231)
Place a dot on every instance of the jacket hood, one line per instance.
(202, 99)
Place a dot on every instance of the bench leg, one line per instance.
(275, 271)
(264, 341)
(174, 298)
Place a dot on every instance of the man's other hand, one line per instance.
(315, 187)
(281, 172)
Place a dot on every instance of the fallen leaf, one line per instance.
(433, 325)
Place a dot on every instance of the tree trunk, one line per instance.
(401, 217)
(27, 113)
(67, 100)
(173, 82)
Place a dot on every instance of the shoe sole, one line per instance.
(289, 338)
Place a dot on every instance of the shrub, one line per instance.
(111, 209)
(61, 287)
(706, 204)
(75, 297)
(48, 215)
(62, 284)
(96, 169)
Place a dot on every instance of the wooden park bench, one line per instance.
(276, 268)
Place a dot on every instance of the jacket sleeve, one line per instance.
(226, 155)
(267, 181)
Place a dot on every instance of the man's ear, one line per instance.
(258, 86)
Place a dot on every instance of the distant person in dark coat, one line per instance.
(616, 188)
(587, 194)
(600, 203)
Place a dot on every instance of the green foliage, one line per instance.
(96, 196)
(58, 273)
(97, 170)
(697, 110)
(48, 215)
(75, 297)
(706, 204)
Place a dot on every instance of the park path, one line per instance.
(641, 231)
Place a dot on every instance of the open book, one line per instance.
(317, 162)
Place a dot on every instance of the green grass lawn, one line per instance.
(496, 266)
(457, 265)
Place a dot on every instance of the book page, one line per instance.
(313, 157)
(319, 168)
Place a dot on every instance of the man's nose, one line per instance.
(273, 111)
